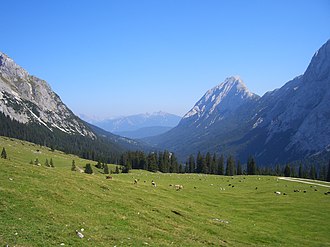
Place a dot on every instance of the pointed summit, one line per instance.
(319, 67)
(222, 99)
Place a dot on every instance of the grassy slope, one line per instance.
(42, 206)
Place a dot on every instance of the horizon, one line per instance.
(168, 54)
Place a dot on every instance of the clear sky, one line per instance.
(111, 58)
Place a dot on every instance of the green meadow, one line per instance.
(42, 206)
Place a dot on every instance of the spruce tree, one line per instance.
(300, 175)
(117, 170)
(287, 171)
(221, 163)
(251, 166)
(199, 162)
(88, 169)
(328, 176)
(4, 153)
(106, 169)
(239, 168)
(47, 163)
(73, 167)
(312, 172)
(51, 163)
(192, 165)
(230, 168)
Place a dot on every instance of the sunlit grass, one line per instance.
(43, 206)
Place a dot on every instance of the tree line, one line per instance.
(208, 163)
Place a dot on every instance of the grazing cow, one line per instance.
(178, 187)
(135, 181)
(277, 192)
(108, 177)
(153, 183)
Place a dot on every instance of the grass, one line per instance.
(43, 206)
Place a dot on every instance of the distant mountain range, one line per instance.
(140, 125)
(287, 124)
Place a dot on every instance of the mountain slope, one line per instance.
(27, 99)
(287, 124)
(298, 114)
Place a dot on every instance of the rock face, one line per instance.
(284, 125)
(27, 99)
(219, 102)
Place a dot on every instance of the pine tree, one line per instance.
(47, 163)
(328, 176)
(199, 162)
(312, 172)
(213, 168)
(251, 166)
(230, 168)
(4, 153)
(221, 163)
(98, 165)
(73, 167)
(106, 169)
(88, 169)
(51, 163)
(191, 163)
(300, 173)
(287, 171)
(117, 170)
(239, 168)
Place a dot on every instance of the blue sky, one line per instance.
(112, 58)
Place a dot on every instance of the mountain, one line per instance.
(30, 110)
(28, 99)
(140, 125)
(144, 132)
(287, 124)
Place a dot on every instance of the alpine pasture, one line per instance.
(43, 206)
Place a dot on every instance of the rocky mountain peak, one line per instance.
(319, 67)
(222, 99)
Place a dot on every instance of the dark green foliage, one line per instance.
(106, 169)
(312, 172)
(51, 163)
(36, 162)
(230, 168)
(251, 166)
(4, 153)
(99, 165)
(300, 172)
(328, 175)
(117, 170)
(88, 169)
(191, 164)
(200, 161)
(31, 162)
(239, 168)
(287, 171)
(73, 167)
(47, 163)
(221, 164)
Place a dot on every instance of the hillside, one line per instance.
(43, 206)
